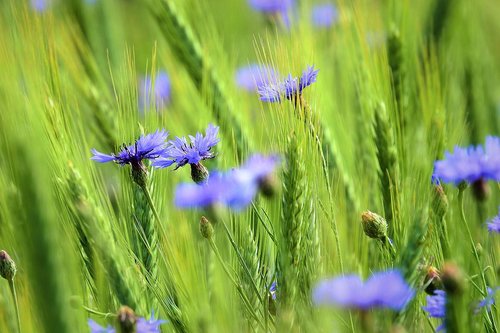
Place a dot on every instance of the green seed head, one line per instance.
(374, 225)
(206, 228)
(7, 266)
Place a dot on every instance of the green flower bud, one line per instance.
(7, 266)
(374, 225)
(127, 320)
(206, 228)
(199, 173)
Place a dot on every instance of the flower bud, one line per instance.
(453, 278)
(432, 280)
(268, 185)
(7, 266)
(206, 228)
(374, 225)
(199, 173)
(126, 320)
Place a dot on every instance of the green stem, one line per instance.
(16, 304)
(98, 313)
(233, 280)
(151, 204)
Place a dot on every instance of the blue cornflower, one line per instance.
(160, 93)
(40, 5)
(181, 152)
(290, 87)
(253, 76)
(436, 306)
(96, 328)
(271, 6)
(272, 290)
(489, 300)
(235, 188)
(494, 224)
(383, 289)
(151, 325)
(149, 146)
(470, 164)
(324, 15)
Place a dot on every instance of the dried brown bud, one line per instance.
(126, 320)
(432, 280)
(453, 278)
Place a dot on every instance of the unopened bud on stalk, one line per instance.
(199, 173)
(374, 225)
(206, 228)
(7, 266)
(432, 280)
(268, 185)
(126, 320)
(453, 278)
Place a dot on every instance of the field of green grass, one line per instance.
(399, 84)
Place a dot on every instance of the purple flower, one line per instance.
(181, 152)
(489, 300)
(383, 289)
(160, 93)
(494, 224)
(149, 146)
(271, 6)
(272, 290)
(324, 15)
(235, 188)
(253, 76)
(470, 164)
(436, 306)
(40, 5)
(96, 328)
(290, 87)
(151, 325)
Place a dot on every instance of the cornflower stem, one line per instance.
(12, 288)
(476, 255)
(484, 292)
(233, 280)
(98, 313)
(240, 257)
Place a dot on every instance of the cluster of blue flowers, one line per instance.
(289, 88)
(470, 164)
(382, 290)
(143, 325)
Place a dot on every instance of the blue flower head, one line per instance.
(234, 189)
(271, 6)
(471, 164)
(290, 87)
(143, 325)
(489, 300)
(181, 152)
(436, 306)
(383, 289)
(160, 92)
(324, 15)
(96, 328)
(494, 224)
(272, 290)
(149, 147)
(253, 76)
(40, 5)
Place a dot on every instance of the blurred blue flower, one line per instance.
(96, 328)
(181, 152)
(494, 223)
(160, 93)
(489, 300)
(272, 290)
(252, 76)
(436, 306)
(149, 146)
(383, 289)
(235, 188)
(324, 15)
(290, 87)
(470, 164)
(40, 5)
(151, 325)
(271, 6)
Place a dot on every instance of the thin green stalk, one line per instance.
(233, 280)
(240, 257)
(14, 296)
